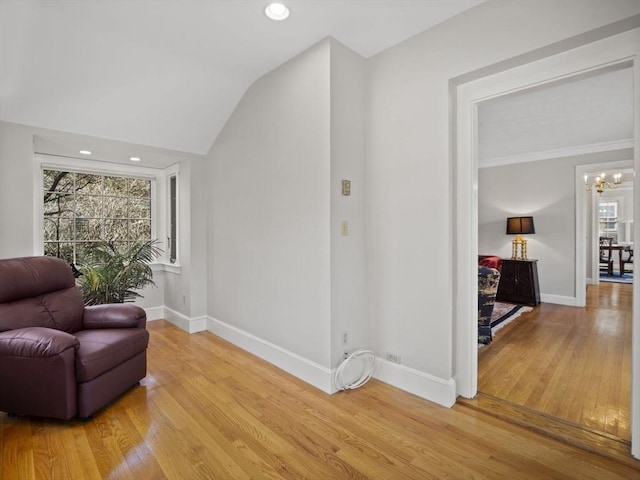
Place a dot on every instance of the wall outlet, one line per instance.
(392, 357)
(345, 338)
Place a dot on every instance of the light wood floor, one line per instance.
(571, 363)
(208, 410)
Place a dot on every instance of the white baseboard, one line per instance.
(429, 387)
(298, 366)
(189, 325)
(558, 299)
(154, 313)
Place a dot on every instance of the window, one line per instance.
(84, 208)
(173, 219)
(608, 218)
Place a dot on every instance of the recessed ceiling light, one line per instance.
(135, 159)
(85, 152)
(277, 11)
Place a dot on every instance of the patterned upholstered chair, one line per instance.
(488, 279)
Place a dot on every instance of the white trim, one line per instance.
(298, 366)
(199, 324)
(154, 313)
(465, 220)
(635, 333)
(557, 153)
(165, 267)
(595, 233)
(189, 325)
(559, 300)
(96, 166)
(580, 240)
(38, 208)
(169, 172)
(435, 389)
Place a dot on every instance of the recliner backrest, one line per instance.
(39, 292)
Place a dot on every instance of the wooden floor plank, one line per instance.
(209, 410)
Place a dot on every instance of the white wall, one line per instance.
(196, 244)
(281, 269)
(348, 265)
(269, 210)
(546, 190)
(16, 190)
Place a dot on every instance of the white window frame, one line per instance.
(158, 196)
(168, 173)
(607, 220)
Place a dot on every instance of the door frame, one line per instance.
(610, 52)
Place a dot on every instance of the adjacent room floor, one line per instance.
(571, 363)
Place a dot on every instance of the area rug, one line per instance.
(616, 278)
(505, 313)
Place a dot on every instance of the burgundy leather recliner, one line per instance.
(59, 358)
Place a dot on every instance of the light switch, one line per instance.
(346, 187)
(345, 228)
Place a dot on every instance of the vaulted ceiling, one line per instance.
(169, 73)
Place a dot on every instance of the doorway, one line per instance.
(587, 226)
(607, 52)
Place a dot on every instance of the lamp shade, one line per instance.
(520, 225)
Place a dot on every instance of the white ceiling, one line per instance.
(169, 73)
(586, 114)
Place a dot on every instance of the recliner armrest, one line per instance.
(36, 342)
(114, 315)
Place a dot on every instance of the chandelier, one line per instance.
(600, 183)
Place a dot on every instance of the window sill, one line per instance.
(166, 267)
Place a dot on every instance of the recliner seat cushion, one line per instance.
(101, 350)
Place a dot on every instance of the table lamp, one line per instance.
(518, 226)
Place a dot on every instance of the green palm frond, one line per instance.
(113, 275)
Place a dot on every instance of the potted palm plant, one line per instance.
(114, 275)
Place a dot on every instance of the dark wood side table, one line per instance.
(519, 282)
